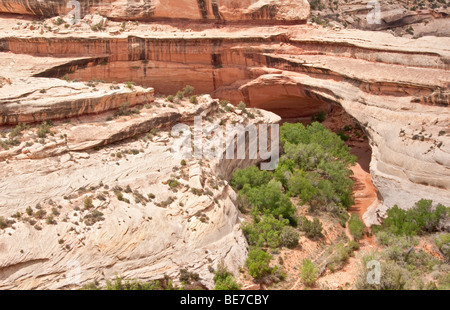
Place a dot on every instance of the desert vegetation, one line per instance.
(405, 261)
(313, 169)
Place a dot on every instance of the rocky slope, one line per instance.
(402, 18)
(149, 216)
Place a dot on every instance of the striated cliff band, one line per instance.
(219, 10)
(100, 80)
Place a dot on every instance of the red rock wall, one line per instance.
(228, 10)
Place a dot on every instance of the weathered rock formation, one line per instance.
(402, 18)
(226, 10)
(395, 88)
(153, 229)
(382, 81)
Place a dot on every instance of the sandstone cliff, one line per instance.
(395, 88)
(221, 10)
(138, 225)
(382, 81)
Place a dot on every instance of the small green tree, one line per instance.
(29, 211)
(313, 229)
(193, 100)
(269, 199)
(265, 231)
(289, 237)
(224, 280)
(421, 218)
(258, 263)
(242, 106)
(188, 91)
(308, 273)
(88, 203)
(251, 176)
(356, 227)
(180, 94)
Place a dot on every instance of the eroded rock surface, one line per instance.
(140, 223)
(229, 10)
(395, 88)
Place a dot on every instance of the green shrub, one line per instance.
(98, 27)
(392, 276)
(339, 258)
(313, 229)
(170, 98)
(265, 232)
(343, 217)
(251, 176)
(188, 91)
(187, 277)
(316, 133)
(444, 282)
(224, 280)
(50, 220)
(258, 264)
(193, 100)
(124, 110)
(93, 217)
(17, 131)
(443, 243)
(242, 106)
(59, 21)
(4, 223)
(173, 183)
(353, 246)
(315, 166)
(29, 211)
(88, 203)
(356, 227)
(119, 195)
(40, 214)
(224, 103)
(320, 117)
(419, 219)
(269, 199)
(180, 95)
(308, 273)
(289, 237)
(44, 129)
(120, 285)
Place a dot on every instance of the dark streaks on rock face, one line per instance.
(439, 97)
(136, 49)
(70, 67)
(266, 12)
(216, 60)
(203, 9)
(162, 121)
(215, 9)
(4, 45)
(208, 10)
